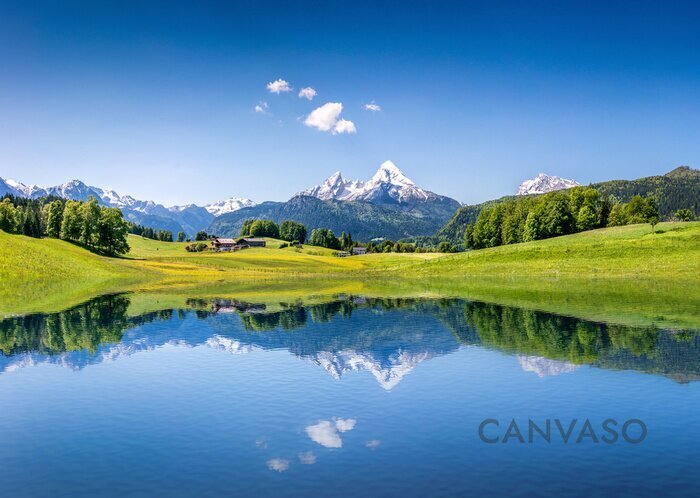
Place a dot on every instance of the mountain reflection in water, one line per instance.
(386, 337)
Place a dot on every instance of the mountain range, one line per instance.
(388, 185)
(189, 218)
(387, 205)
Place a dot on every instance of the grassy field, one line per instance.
(624, 274)
(630, 251)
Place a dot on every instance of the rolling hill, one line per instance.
(675, 190)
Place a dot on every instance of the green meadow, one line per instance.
(624, 274)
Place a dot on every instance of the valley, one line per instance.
(625, 273)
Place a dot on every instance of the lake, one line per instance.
(352, 397)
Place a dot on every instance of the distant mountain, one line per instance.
(189, 219)
(388, 185)
(7, 187)
(675, 190)
(229, 205)
(388, 205)
(544, 183)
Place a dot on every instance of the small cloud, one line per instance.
(326, 432)
(327, 118)
(261, 443)
(307, 93)
(345, 424)
(279, 86)
(261, 108)
(372, 106)
(278, 464)
(373, 444)
(307, 458)
(344, 126)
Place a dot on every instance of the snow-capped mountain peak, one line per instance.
(544, 183)
(389, 184)
(389, 173)
(229, 205)
(22, 189)
(334, 187)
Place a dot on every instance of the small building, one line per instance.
(342, 254)
(222, 244)
(233, 245)
(251, 242)
(356, 251)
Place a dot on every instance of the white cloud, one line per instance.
(327, 118)
(345, 424)
(261, 108)
(344, 126)
(307, 93)
(326, 433)
(372, 106)
(279, 86)
(278, 464)
(307, 458)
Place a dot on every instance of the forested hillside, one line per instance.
(678, 189)
(363, 219)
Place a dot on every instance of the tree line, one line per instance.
(557, 213)
(150, 233)
(294, 232)
(98, 228)
(23, 216)
(289, 230)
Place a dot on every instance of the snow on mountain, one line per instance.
(74, 189)
(388, 373)
(544, 367)
(6, 187)
(22, 189)
(189, 218)
(229, 205)
(389, 183)
(544, 183)
(77, 190)
(335, 187)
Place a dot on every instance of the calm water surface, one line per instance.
(356, 397)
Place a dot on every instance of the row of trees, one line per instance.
(550, 215)
(289, 230)
(150, 233)
(22, 216)
(324, 237)
(96, 227)
(260, 228)
(637, 210)
(387, 246)
(292, 231)
(684, 215)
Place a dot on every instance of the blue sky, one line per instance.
(157, 99)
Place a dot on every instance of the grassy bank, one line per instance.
(623, 274)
